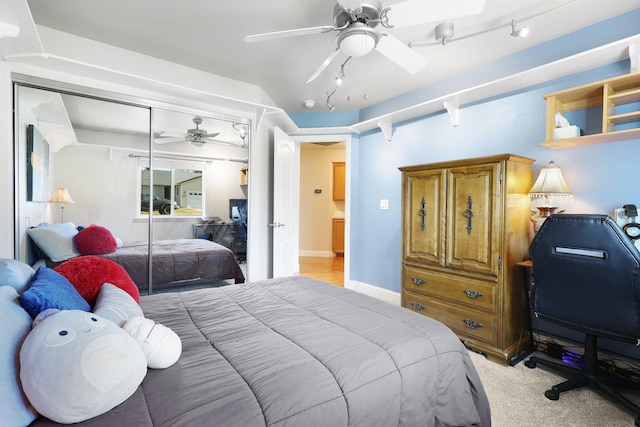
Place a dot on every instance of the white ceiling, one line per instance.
(208, 35)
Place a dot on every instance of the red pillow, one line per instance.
(95, 240)
(88, 273)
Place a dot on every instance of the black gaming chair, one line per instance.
(586, 275)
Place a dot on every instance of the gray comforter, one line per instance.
(299, 352)
(178, 260)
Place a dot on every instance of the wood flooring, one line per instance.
(327, 269)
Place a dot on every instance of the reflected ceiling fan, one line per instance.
(355, 21)
(199, 137)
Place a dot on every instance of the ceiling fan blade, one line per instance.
(288, 33)
(168, 140)
(400, 53)
(236, 143)
(211, 135)
(350, 4)
(415, 12)
(324, 65)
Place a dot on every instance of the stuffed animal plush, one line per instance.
(76, 365)
(161, 345)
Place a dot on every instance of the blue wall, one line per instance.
(601, 177)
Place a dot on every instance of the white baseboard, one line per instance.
(374, 291)
(323, 254)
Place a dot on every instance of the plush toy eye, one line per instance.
(58, 337)
(96, 321)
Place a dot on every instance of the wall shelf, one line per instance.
(619, 98)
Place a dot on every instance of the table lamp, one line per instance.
(61, 195)
(550, 183)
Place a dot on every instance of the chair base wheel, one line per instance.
(552, 394)
(637, 423)
(530, 364)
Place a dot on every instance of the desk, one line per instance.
(225, 234)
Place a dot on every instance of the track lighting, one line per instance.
(329, 95)
(522, 33)
(444, 32)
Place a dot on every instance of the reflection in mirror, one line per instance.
(102, 153)
(176, 192)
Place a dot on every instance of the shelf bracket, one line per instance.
(634, 57)
(387, 128)
(453, 108)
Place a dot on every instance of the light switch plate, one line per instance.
(384, 204)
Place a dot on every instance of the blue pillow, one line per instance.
(15, 273)
(50, 289)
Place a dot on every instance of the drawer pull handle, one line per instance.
(472, 324)
(473, 294)
(417, 306)
(418, 280)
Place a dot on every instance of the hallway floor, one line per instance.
(327, 269)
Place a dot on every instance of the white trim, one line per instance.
(374, 291)
(323, 254)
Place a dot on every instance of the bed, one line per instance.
(175, 262)
(178, 261)
(299, 352)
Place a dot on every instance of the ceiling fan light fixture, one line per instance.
(521, 33)
(357, 40)
(197, 143)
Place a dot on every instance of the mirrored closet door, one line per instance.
(157, 179)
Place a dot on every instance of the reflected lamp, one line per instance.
(61, 195)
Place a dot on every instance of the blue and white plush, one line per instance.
(76, 365)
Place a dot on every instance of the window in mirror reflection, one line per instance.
(176, 192)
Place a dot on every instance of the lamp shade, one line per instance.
(550, 183)
(357, 40)
(61, 195)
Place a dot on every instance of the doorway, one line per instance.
(322, 211)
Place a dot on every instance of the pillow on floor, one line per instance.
(89, 273)
(95, 240)
(15, 273)
(51, 290)
(116, 305)
(16, 324)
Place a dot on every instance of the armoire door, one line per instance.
(424, 216)
(473, 218)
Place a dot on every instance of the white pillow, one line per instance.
(116, 305)
(55, 240)
(15, 273)
(16, 324)
(76, 365)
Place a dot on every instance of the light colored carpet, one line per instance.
(516, 396)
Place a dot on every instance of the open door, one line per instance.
(285, 208)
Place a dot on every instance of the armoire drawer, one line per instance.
(466, 322)
(474, 293)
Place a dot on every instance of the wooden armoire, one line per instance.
(465, 226)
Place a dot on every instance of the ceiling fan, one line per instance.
(198, 137)
(355, 21)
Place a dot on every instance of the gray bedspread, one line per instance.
(299, 352)
(177, 260)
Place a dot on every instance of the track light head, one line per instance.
(522, 33)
